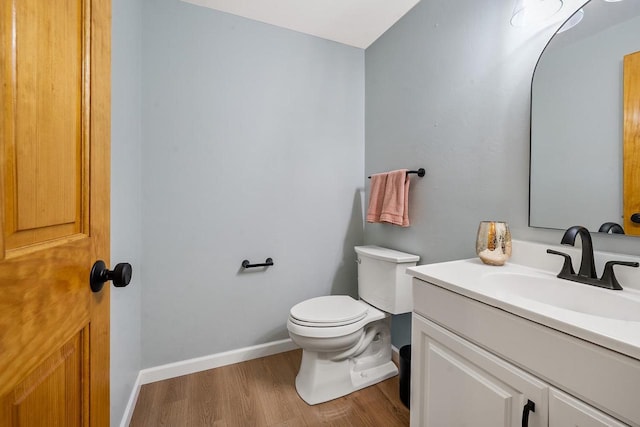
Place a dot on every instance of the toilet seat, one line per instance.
(328, 311)
(296, 327)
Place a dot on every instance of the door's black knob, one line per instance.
(635, 218)
(120, 275)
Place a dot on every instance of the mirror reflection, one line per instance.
(577, 121)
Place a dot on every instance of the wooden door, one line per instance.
(54, 212)
(631, 137)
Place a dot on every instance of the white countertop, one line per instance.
(472, 278)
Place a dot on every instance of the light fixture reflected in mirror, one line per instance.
(572, 22)
(528, 12)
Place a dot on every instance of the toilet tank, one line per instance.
(382, 279)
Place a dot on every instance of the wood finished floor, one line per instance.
(261, 392)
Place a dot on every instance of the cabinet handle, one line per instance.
(528, 407)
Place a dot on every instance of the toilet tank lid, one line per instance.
(386, 254)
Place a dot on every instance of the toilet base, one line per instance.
(321, 378)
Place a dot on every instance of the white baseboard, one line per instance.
(131, 404)
(190, 366)
(185, 367)
(395, 355)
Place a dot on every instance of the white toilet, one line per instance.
(346, 343)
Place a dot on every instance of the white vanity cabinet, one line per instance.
(474, 364)
(565, 410)
(456, 383)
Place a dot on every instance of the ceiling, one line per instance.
(355, 23)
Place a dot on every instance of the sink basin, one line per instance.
(527, 287)
(564, 294)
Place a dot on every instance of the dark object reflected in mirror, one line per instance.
(611, 227)
(577, 120)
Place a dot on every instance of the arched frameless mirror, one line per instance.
(577, 129)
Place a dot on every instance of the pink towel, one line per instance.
(389, 198)
(376, 196)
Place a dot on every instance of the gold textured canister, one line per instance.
(493, 243)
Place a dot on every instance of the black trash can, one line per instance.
(405, 374)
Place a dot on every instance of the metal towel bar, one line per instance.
(420, 172)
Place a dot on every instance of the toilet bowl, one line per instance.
(346, 342)
(338, 357)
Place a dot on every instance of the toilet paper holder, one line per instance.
(267, 263)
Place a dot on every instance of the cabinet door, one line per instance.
(455, 383)
(565, 410)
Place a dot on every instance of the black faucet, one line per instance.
(587, 265)
(587, 272)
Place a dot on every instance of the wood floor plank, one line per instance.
(261, 393)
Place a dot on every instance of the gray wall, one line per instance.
(126, 237)
(448, 89)
(253, 141)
